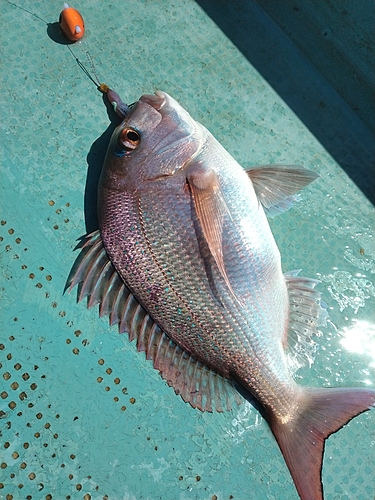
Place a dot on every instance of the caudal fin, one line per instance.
(322, 412)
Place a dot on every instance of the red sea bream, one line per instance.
(185, 262)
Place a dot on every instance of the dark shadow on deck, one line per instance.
(329, 117)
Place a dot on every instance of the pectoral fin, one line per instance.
(211, 209)
(276, 185)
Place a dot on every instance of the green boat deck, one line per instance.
(83, 414)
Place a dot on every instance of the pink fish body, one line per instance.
(185, 262)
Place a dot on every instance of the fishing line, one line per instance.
(31, 13)
(85, 70)
(97, 83)
(92, 66)
(121, 108)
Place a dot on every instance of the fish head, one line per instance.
(155, 140)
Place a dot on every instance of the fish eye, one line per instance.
(129, 139)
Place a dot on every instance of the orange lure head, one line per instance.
(71, 23)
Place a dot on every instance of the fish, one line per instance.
(71, 23)
(185, 262)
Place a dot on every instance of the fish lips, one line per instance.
(157, 100)
(168, 108)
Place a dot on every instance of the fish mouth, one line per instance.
(157, 100)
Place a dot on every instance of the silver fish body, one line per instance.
(185, 228)
(155, 244)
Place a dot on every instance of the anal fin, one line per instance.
(100, 283)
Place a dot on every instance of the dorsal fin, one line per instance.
(99, 281)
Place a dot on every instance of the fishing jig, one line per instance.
(73, 27)
(71, 23)
(120, 107)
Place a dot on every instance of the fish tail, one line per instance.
(301, 440)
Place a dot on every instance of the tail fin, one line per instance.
(322, 412)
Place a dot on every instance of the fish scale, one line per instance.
(193, 273)
(228, 329)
